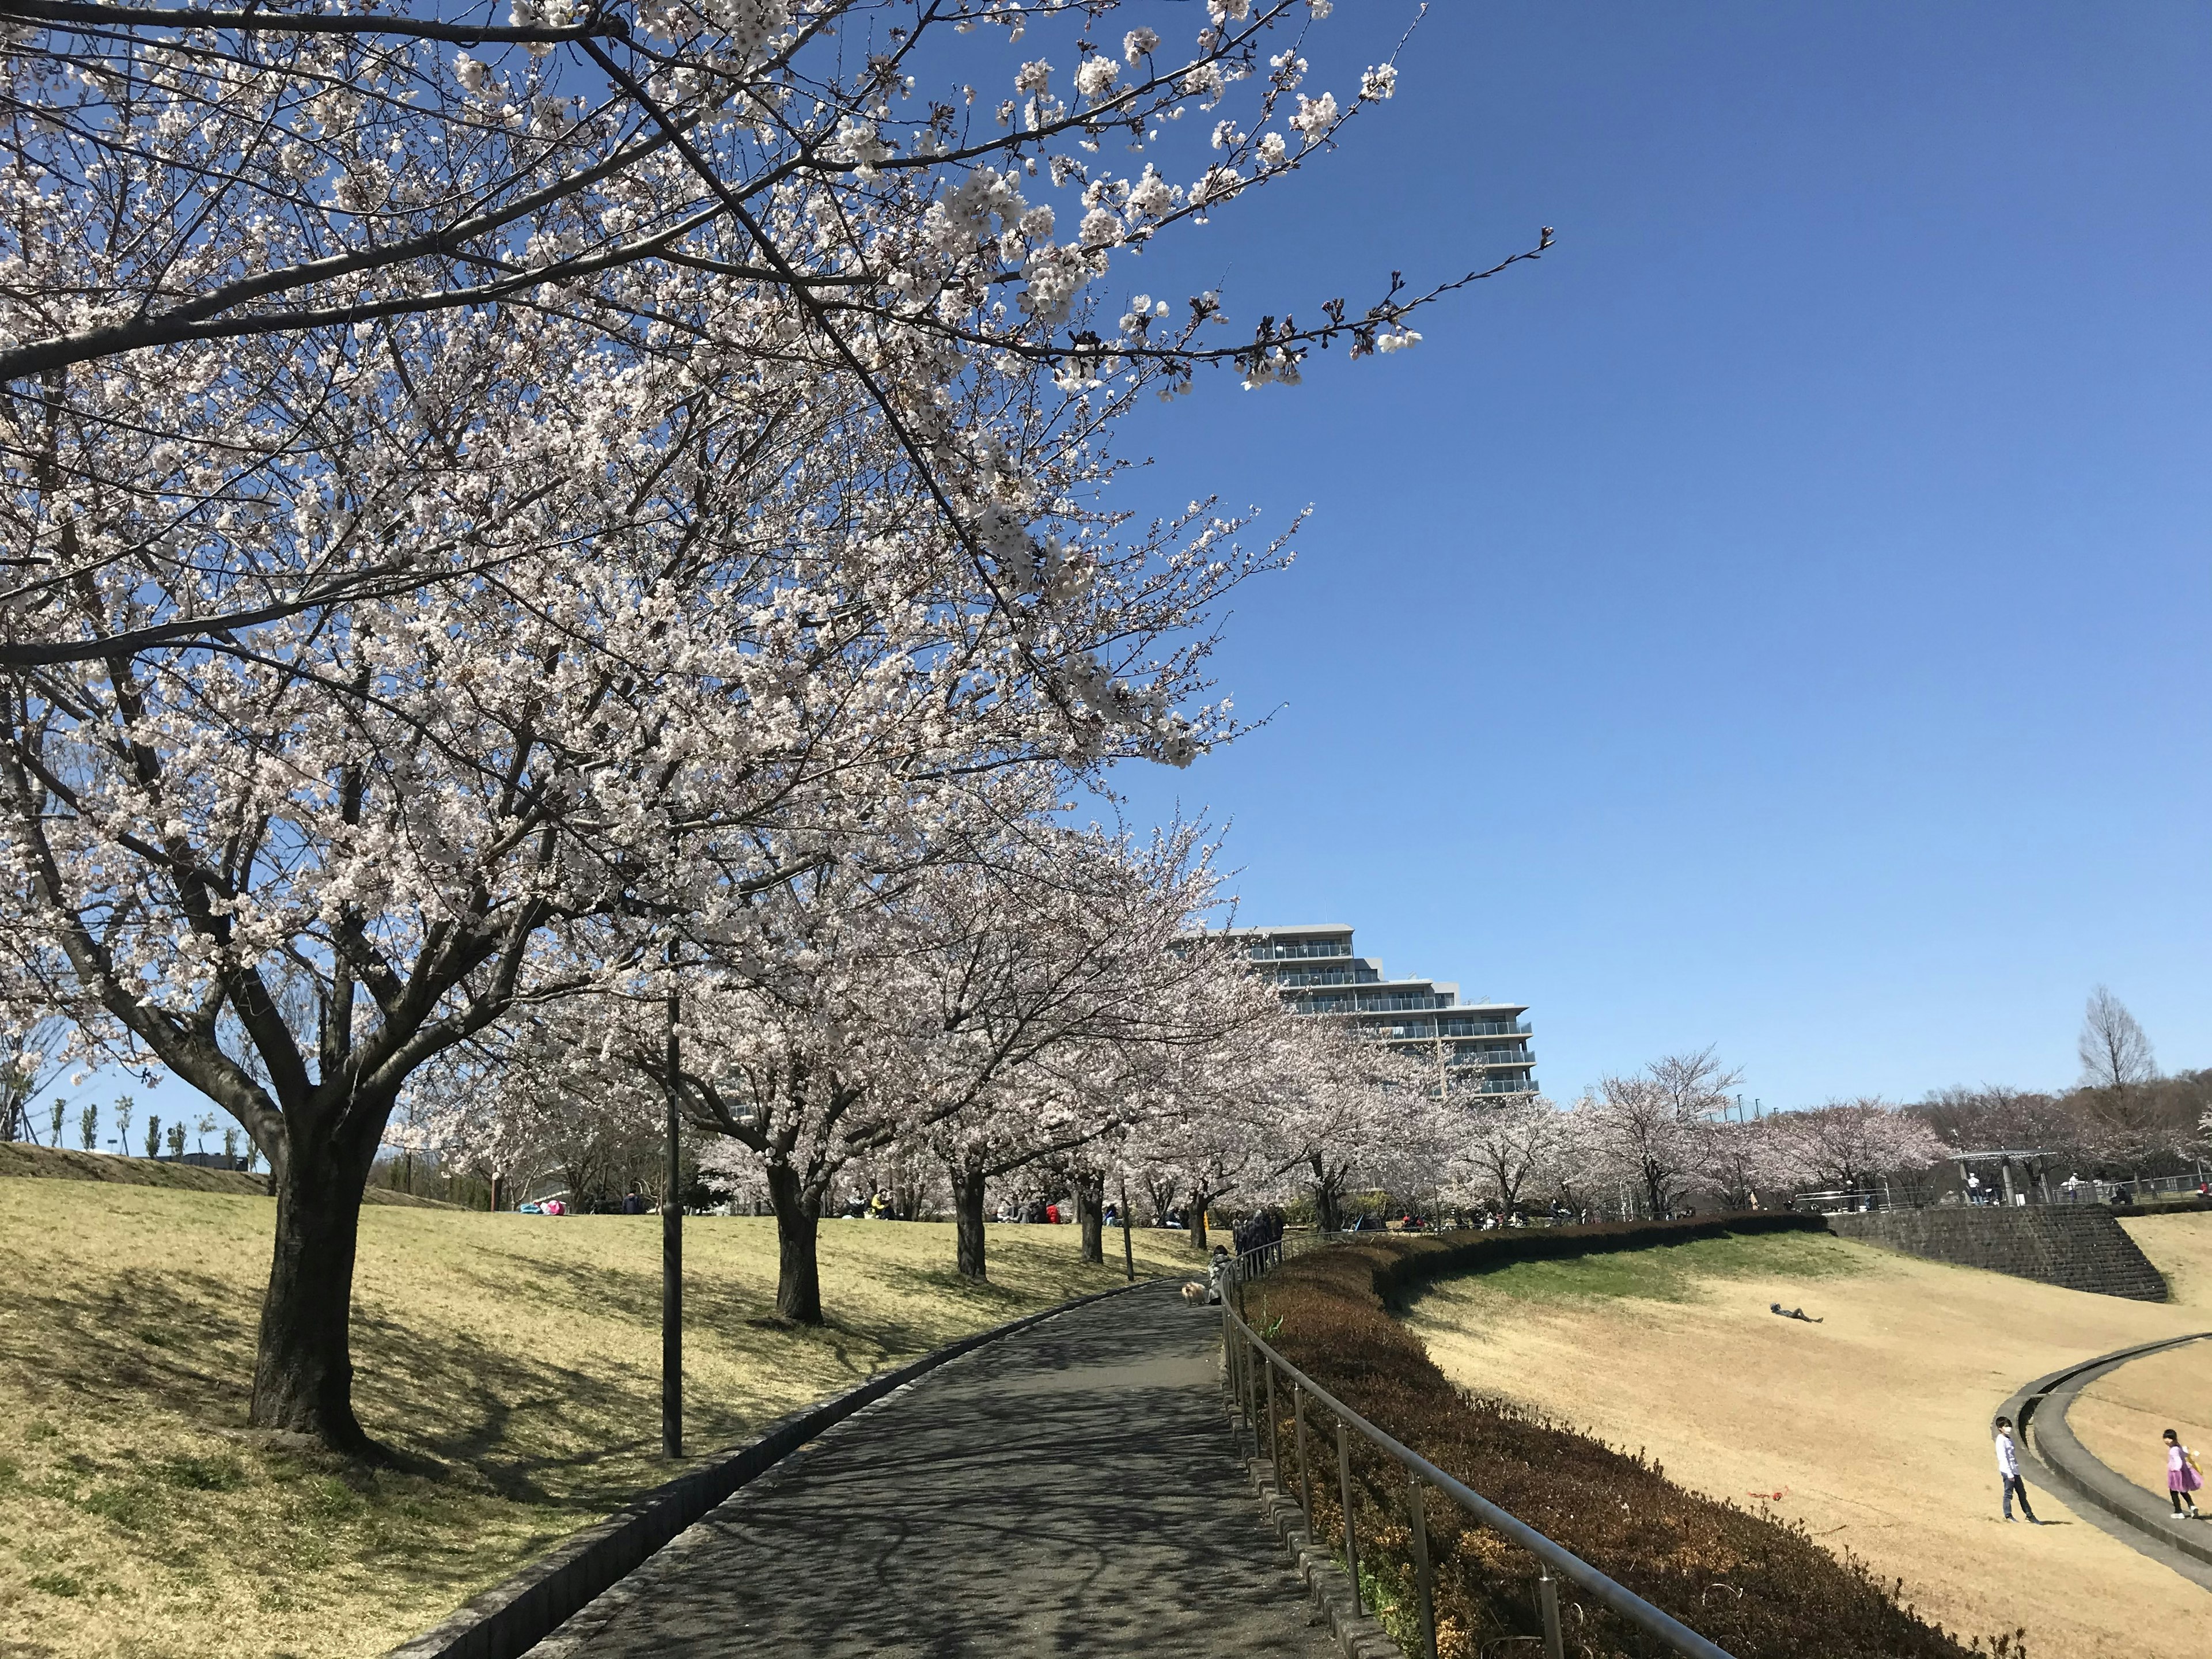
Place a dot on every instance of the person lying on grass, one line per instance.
(1794, 1313)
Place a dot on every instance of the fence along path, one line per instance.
(1285, 1411)
(1067, 1490)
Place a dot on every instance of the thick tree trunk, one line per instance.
(303, 1366)
(967, 1220)
(1325, 1199)
(798, 1222)
(1198, 1221)
(1090, 1207)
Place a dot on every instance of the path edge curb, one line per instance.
(1357, 1633)
(523, 1609)
(2061, 1463)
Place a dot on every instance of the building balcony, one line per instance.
(1368, 1005)
(1487, 1028)
(1493, 1086)
(1320, 947)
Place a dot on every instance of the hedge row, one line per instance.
(1756, 1584)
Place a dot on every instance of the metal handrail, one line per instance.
(1616, 1598)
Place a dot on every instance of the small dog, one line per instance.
(1193, 1293)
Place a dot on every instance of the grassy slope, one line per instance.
(516, 1357)
(19, 1157)
(1676, 1273)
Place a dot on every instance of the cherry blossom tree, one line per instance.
(1360, 1114)
(1231, 1116)
(294, 871)
(1067, 975)
(184, 182)
(466, 538)
(1651, 1128)
(1506, 1149)
(1848, 1144)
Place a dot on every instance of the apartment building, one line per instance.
(1479, 1047)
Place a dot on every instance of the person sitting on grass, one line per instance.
(2008, 1480)
(2183, 1477)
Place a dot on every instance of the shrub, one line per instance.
(1760, 1587)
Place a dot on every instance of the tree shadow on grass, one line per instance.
(552, 1424)
(183, 1337)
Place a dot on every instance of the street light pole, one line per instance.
(671, 1244)
(1128, 1241)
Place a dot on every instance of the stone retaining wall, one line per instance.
(2080, 1248)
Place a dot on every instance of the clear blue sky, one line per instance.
(1780, 619)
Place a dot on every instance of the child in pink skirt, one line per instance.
(2182, 1477)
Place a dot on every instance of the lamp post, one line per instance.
(1129, 1242)
(671, 1242)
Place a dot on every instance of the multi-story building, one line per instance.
(1477, 1047)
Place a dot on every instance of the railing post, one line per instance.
(1236, 1376)
(1274, 1440)
(1251, 1396)
(1547, 1598)
(1229, 1363)
(1344, 1487)
(1305, 1469)
(1424, 1582)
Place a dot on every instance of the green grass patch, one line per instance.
(1671, 1272)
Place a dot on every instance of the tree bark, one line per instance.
(1325, 1198)
(798, 1222)
(1090, 1207)
(1198, 1221)
(967, 1219)
(303, 1365)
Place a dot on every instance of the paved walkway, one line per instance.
(1071, 1491)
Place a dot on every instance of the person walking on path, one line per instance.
(2009, 1484)
(2183, 1477)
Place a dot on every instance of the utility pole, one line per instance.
(671, 1242)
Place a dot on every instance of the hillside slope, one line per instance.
(514, 1359)
(22, 1159)
(1871, 1427)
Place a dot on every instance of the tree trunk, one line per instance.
(1198, 1221)
(303, 1365)
(1325, 1207)
(1090, 1206)
(798, 1274)
(967, 1219)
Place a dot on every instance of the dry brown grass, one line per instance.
(2122, 1416)
(1872, 1426)
(514, 1360)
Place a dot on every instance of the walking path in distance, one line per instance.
(1071, 1491)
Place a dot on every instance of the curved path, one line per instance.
(2055, 1459)
(1071, 1490)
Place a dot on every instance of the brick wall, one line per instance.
(2080, 1248)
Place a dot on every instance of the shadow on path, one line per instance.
(1070, 1491)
